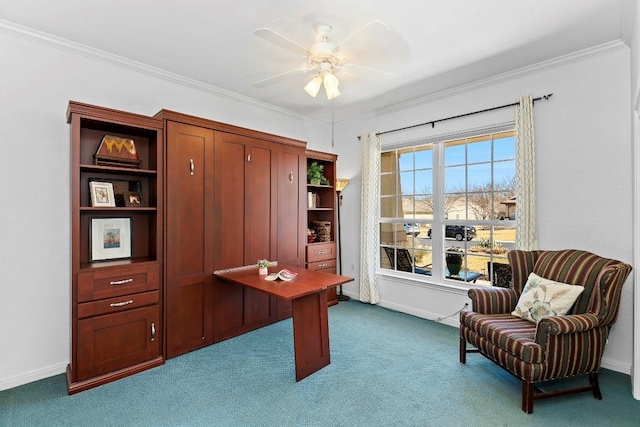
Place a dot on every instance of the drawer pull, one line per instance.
(322, 252)
(322, 265)
(121, 282)
(120, 304)
(153, 332)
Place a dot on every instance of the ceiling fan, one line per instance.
(375, 42)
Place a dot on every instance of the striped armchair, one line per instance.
(559, 346)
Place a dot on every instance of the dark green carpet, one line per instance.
(387, 369)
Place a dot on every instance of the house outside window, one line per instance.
(447, 208)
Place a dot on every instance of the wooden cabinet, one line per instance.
(116, 327)
(246, 230)
(321, 212)
(233, 196)
(189, 241)
(117, 341)
(292, 212)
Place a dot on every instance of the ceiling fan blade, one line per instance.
(377, 45)
(279, 77)
(280, 40)
(367, 73)
(371, 26)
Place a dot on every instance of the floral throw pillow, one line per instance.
(543, 298)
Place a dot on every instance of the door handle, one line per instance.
(153, 332)
(192, 166)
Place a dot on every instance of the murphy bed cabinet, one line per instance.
(321, 207)
(234, 196)
(230, 196)
(116, 311)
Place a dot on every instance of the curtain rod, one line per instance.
(433, 122)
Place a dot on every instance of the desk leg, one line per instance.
(310, 334)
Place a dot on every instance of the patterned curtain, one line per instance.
(526, 212)
(370, 209)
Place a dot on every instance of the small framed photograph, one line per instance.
(133, 199)
(110, 238)
(102, 194)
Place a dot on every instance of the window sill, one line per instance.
(460, 288)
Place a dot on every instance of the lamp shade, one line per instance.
(331, 85)
(341, 183)
(330, 81)
(333, 93)
(313, 87)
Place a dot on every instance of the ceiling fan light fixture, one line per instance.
(313, 87)
(332, 93)
(331, 85)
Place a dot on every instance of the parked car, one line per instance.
(457, 232)
(412, 229)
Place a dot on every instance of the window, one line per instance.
(448, 207)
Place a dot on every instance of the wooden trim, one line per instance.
(320, 155)
(116, 116)
(227, 128)
(78, 386)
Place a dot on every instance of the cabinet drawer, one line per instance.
(115, 341)
(114, 282)
(321, 252)
(328, 265)
(114, 305)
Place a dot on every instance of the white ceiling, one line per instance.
(450, 42)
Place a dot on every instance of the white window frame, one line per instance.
(439, 222)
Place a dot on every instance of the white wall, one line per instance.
(37, 80)
(584, 170)
(635, 107)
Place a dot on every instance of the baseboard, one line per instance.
(616, 365)
(611, 364)
(28, 377)
(450, 321)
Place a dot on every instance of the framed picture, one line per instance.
(133, 199)
(102, 194)
(110, 238)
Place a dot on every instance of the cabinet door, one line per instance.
(246, 221)
(292, 234)
(291, 207)
(261, 225)
(115, 341)
(190, 236)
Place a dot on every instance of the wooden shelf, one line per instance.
(98, 357)
(321, 256)
(319, 186)
(117, 209)
(115, 263)
(112, 169)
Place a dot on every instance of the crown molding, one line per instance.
(626, 20)
(59, 43)
(561, 61)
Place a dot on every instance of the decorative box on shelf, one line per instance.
(323, 230)
(117, 151)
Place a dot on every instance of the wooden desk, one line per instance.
(308, 292)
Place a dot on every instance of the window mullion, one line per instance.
(437, 238)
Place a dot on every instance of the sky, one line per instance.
(477, 169)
